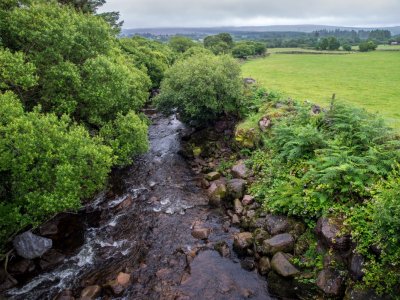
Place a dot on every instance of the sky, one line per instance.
(210, 13)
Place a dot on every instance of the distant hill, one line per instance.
(274, 28)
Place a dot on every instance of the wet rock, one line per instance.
(264, 265)
(276, 224)
(251, 214)
(260, 235)
(90, 292)
(126, 203)
(216, 193)
(118, 285)
(201, 233)
(281, 265)
(363, 294)
(279, 243)
(30, 246)
(21, 267)
(329, 230)
(247, 200)
(223, 249)
(237, 205)
(6, 281)
(48, 229)
(330, 282)
(213, 176)
(248, 263)
(283, 287)
(235, 220)
(240, 170)
(236, 187)
(65, 295)
(242, 241)
(264, 124)
(50, 259)
(356, 266)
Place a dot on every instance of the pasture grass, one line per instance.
(369, 80)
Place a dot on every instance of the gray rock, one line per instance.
(279, 243)
(331, 283)
(247, 200)
(281, 265)
(30, 246)
(216, 193)
(90, 292)
(264, 123)
(201, 233)
(248, 263)
(24, 266)
(276, 224)
(329, 230)
(240, 170)
(242, 241)
(238, 206)
(353, 293)
(236, 187)
(264, 265)
(50, 259)
(213, 176)
(356, 266)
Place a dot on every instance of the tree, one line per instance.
(243, 51)
(367, 46)
(180, 43)
(333, 43)
(201, 88)
(346, 47)
(219, 44)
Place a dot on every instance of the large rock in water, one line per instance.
(331, 283)
(279, 243)
(242, 241)
(281, 265)
(276, 224)
(30, 246)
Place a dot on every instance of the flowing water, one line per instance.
(145, 230)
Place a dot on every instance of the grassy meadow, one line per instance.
(369, 80)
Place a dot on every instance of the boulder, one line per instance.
(248, 263)
(30, 246)
(356, 267)
(50, 259)
(247, 137)
(329, 230)
(65, 295)
(242, 241)
(331, 283)
(90, 292)
(264, 265)
(353, 293)
(276, 224)
(281, 265)
(216, 193)
(213, 176)
(236, 188)
(235, 219)
(238, 206)
(6, 281)
(223, 249)
(247, 200)
(201, 233)
(249, 80)
(279, 243)
(118, 285)
(22, 267)
(240, 170)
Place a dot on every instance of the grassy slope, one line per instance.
(370, 80)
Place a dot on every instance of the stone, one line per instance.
(264, 265)
(356, 267)
(283, 287)
(201, 233)
(249, 80)
(251, 214)
(279, 243)
(90, 292)
(247, 200)
(236, 188)
(235, 220)
(329, 230)
(331, 283)
(247, 137)
(223, 249)
(123, 278)
(240, 170)
(50, 259)
(242, 241)
(197, 151)
(216, 193)
(127, 202)
(264, 124)
(65, 295)
(119, 284)
(248, 263)
(281, 265)
(353, 293)
(21, 267)
(276, 224)
(238, 207)
(48, 229)
(30, 246)
(213, 176)
(6, 281)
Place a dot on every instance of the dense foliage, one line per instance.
(219, 44)
(336, 162)
(70, 93)
(249, 48)
(201, 87)
(367, 46)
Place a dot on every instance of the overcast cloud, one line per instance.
(206, 13)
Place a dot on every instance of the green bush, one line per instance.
(47, 165)
(201, 88)
(367, 46)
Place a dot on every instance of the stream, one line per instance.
(145, 229)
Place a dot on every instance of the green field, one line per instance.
(370, 80)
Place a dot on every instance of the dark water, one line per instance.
(146, 231)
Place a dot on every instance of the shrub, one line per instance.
(346, 47)
(201, 88)
(367, 46)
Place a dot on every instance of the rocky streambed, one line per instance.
(153, 235)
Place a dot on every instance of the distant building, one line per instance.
(394, 43)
